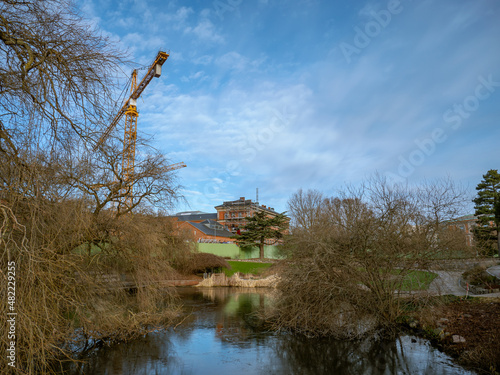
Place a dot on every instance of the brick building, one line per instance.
(233, 214)
(220, 226)
(466, 224)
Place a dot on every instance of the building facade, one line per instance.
(466, 224)
(234, 214)
(221, 226)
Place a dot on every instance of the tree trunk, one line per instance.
(261, 247)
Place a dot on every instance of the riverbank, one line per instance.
(465, 328)
(219, 332)
(237, 280)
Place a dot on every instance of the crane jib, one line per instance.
(153, 71)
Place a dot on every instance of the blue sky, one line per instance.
(288, 94)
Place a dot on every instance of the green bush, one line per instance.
(478, 276)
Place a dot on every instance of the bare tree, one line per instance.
(56, 74)
(349, 266)
(100, 179)
(304, 208)
(57, 80)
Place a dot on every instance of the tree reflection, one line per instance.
(405, 355)
(151, 354)
(220, 332)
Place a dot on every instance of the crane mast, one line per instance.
(129, 110)
(129, 141)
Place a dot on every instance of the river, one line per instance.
(220, 335)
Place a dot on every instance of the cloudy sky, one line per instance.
(288, 94)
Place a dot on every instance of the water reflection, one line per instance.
(303, 356)
(221, 335)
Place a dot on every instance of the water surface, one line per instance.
(221, 335)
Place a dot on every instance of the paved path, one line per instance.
(495, 271)
(447, 282)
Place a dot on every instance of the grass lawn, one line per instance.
(246, 267)
(415, 280)
(418, 280)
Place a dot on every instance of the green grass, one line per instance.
(83, 249)
(417, 280)
(414, 280)
(246, 267)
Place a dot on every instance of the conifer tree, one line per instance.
(487, 206)
(260, 228)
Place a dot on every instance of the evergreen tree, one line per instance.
(487, 205)
(260, 228)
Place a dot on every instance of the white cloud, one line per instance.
(232, 60)
(203, 60)
(219, 110)
(176, 20)
(198, 76)
(205, 31)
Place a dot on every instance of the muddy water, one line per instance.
(220, 335)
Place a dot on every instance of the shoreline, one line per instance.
(467, 329)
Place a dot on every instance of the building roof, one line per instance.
(471, 217)
(212, 228)
(242, 202)
(195, 216)
(466, 218)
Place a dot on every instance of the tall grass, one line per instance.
(221, 280)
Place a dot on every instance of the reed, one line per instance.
(236, 280)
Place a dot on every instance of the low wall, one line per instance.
(229, 250)
(461, 264)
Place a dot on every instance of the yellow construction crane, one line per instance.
(129, 110)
